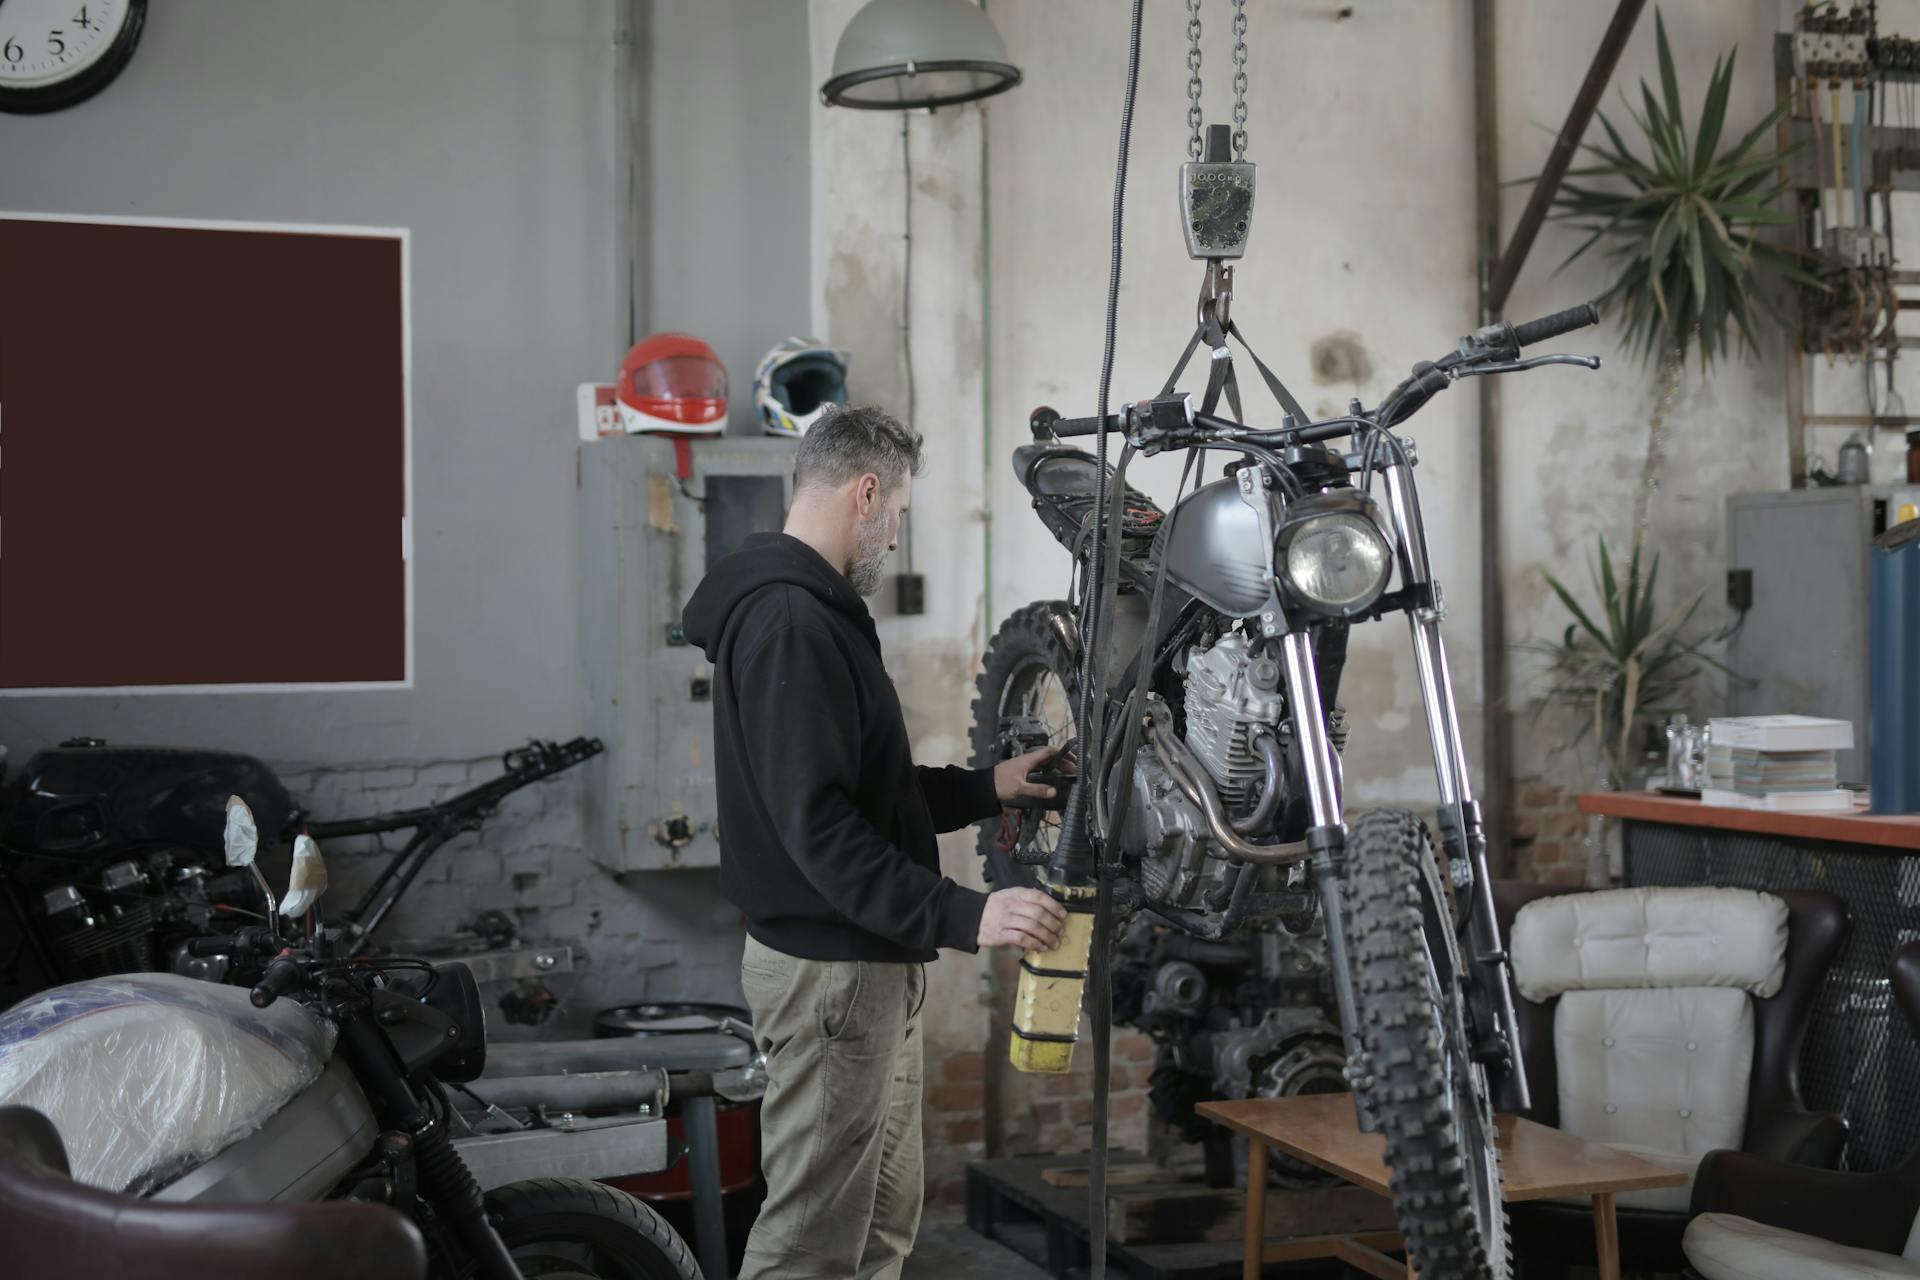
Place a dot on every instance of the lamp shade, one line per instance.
(902, 55)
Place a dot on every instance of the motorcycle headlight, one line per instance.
(1335, 562)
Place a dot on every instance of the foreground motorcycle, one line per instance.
(323, 1081)
(109, 861)
(1216, 797)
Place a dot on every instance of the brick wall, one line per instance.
(978, 1105)
(665, 935)
(1549, 835)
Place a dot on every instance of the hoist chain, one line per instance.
(1194, 118)
(1240, 79)
(1193, 77)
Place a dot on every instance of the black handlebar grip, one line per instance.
(1088, 426)
(283, 977)
(218, 944)
(1556, 324)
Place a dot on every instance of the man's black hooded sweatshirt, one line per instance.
(826, 825)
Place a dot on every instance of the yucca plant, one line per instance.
(1681, 219)
(1620, 667)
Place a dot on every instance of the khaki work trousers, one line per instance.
(840, 1123)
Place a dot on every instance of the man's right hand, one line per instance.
(1024, 918)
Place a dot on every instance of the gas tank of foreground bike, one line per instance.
(86, 797)
(304, 1151)
(149, 1075)
(1216, 552)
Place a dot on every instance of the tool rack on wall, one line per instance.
(1853, 126)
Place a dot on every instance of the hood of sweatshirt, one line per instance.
(763, 560)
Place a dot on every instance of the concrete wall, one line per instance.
(489, 129)
(728, 191)
(520, 144)
(1361, 118)
(1575, 442)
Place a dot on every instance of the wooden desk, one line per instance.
(1536, 1163)
(1891, 832)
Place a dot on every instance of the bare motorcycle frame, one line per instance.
(1216, 800)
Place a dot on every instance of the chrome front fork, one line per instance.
(1488, 980)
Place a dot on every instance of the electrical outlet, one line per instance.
(911, 598)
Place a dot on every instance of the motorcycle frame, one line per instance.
(435, 825)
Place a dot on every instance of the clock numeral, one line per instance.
(13, 51)
(55, 45)
(81, 19)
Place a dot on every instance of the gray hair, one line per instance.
(848, 442)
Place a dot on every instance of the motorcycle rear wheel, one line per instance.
(573, 1229)
(1028, 676)
(1426, 1095)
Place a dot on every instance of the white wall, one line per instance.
(488, 129)
(1363, 227)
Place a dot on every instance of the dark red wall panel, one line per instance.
(202, 456)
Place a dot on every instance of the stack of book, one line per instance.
(1776, 762)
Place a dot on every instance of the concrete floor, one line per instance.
(946, 1250)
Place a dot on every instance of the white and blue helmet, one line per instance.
(796, 382)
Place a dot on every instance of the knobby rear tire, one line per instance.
(1032, 647)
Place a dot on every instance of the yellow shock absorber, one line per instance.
(1046, 1009)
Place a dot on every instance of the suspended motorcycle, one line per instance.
(323, 1081)
(1193, 686)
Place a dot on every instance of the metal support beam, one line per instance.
(1605, 59)
(1497, 272)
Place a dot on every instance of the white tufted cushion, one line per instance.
(1650, 938)
(1723, 1247)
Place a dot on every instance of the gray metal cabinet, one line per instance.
(647, 537)
(1802, 648)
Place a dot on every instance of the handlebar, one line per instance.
(284, 976)
(254, 938)
(1171, 420)
(1525, 335)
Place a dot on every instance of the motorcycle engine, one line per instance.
(1230, 696)
(1248, 1018)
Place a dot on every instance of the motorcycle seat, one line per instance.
(55, 1226)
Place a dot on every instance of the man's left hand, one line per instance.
(1010, 776)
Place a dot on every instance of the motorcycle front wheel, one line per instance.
(1424, 1091)
(573, 1229)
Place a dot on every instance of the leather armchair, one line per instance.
(1762, 1219)
(54, 1226)
(1776, 1125)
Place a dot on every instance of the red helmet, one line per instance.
(672, 382)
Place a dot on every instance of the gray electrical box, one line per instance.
(648, 534)
(1800, 559)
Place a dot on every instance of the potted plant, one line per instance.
(1622, 667)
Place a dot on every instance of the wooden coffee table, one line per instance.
(1535, 1163)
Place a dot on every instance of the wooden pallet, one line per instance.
(1013, 1202)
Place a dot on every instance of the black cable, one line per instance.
(906, 305)
(1074, 820)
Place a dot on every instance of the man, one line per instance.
(827, 847)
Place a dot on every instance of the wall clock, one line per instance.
(54, 53)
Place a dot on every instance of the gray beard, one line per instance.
(868, 569)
